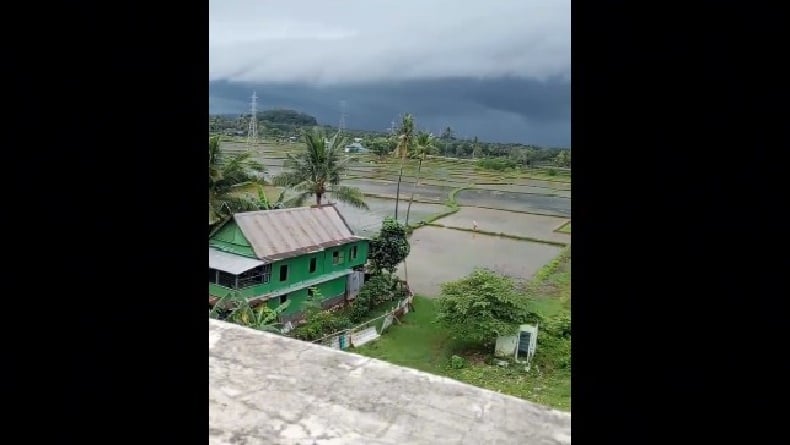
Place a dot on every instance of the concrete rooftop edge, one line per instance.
(265, 388)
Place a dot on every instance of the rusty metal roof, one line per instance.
(283, 233)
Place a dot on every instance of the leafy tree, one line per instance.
(563, 158)
(389, 247)
(288, 118)
(381, 147)
(447, 134)
(317, 171)
(234, 183)
(482, 306)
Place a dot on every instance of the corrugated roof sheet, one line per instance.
(230, 263)
(283, 233)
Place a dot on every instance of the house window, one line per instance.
(353, 252)
(283, 272)
(283, 299)
(258, 275)
(337, 257)
(312, 264)
(227, 280)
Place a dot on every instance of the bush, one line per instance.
(497, 164)
(456, 362)
(552, 172)
(320, 323)
(481, 306)
(380, 288)
(389, 248)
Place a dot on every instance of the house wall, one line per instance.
(230, 238)
(328, 289)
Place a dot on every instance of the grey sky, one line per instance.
(353, 41)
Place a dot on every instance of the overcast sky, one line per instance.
(343, 43)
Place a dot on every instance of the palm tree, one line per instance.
(317, 170)
(405, 142)
(234, 183)
(423, 147)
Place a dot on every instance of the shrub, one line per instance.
(497, 164)
(482, 306)
(380, 288)
(456, 362)
(318, 322)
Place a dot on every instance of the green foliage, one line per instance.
(497, 164)
(456, 362)
(420, 344)
(287, 118)
(554, 342)
(389, 248)
(318, 322)
(381, 146)
(376, 290)
(551, 172)
(317, 171)
(234, 183)
(563, 158)
(481, 306)
(235, 309)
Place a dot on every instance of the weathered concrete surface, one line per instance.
(267, 389)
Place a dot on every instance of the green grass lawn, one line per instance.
(418, 343)
(565, 228)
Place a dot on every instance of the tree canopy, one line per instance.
(389, 247)
(234, 183)
(317, 170)
(482, 306)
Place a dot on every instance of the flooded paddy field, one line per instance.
(368, 222)
(501, 221)
(552, 205)
(439, 255)
(424, 192)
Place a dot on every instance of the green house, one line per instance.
(274, 256)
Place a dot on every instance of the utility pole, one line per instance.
(252, 134)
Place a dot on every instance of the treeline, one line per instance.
(271, 123)
(279, 124)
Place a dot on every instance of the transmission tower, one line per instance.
(342, 125)
(252, 134)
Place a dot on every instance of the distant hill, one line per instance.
(498, 110)
(288, 117)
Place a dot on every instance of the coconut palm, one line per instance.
(405, 142)
(317, 171)
(234, 183)
(423, 147)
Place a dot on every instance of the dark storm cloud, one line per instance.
(498, 69)
(503, 110)
(337, 41)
